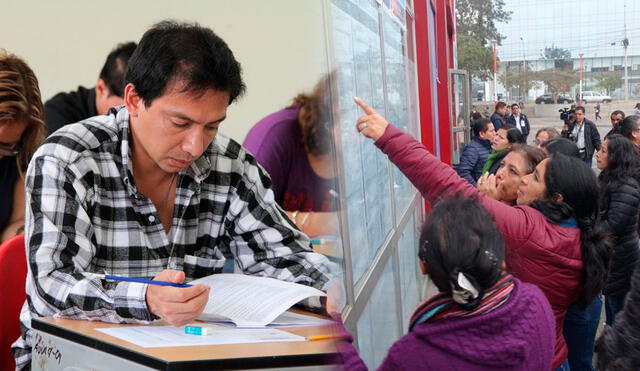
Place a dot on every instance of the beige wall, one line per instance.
(280, 43)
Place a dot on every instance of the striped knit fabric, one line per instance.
(442, 305)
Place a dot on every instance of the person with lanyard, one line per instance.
(551, 237)
(519, 120)
(483, 318)
(585, 134)
(152, 191)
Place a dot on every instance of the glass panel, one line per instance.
(410, 274)
(411, 277)
(378, 325)
(460, 115)
(358, 60)
(398, 111)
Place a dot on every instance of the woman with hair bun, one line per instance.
(22, 130)
(483, 318)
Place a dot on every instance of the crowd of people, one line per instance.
(562, 229)
(520, 288)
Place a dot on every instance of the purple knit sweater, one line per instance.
(518, 335)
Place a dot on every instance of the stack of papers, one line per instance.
(170, 336)
(250, 301)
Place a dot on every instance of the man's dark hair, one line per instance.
(617, 112)
(476, 116)
(500, 105)
(580, 108)
(478, 253)
(628, 125)
(115, 67)
(187, 53)
(480, 126)
(515, 105)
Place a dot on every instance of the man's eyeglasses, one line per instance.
(9, 151)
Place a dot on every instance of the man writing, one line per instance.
(585, 134)
(151, 190)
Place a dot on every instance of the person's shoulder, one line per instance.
(78, 95)
(226, 147)
(84, 138)
(282, 120)
(279, 128)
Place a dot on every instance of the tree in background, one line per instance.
(523, 80)
(608, 81)
(553, 52)
(474, 57)
(476, 27)
(557, 80)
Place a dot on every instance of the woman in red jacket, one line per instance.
(549, 236)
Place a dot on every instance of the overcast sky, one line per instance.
(585, 26)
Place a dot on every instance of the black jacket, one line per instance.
(526, 129)
(68, 108)
(615, 130)
(619, 214)
(497, 120)
(591, 137)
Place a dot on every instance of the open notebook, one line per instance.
(250, 301)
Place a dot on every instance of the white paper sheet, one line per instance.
(250, 301)
(291, 319)
(170, 336)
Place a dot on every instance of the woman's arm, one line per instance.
(433, 178)
(16, 220)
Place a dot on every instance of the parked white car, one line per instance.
(595, 97)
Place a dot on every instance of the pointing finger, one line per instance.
(368, 110)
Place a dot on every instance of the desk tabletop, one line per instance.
(228, 356)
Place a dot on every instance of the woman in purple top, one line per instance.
(483, 318)
(294, 145)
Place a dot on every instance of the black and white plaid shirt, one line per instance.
(84, 214)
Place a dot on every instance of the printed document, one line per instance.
(250, 301)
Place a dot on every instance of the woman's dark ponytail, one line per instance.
(596, 252)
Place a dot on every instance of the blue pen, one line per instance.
(139, 280)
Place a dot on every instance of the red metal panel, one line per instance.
(444, 52)
(425, 78)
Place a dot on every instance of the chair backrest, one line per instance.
(13, 274)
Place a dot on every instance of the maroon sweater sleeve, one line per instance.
(435, 179)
